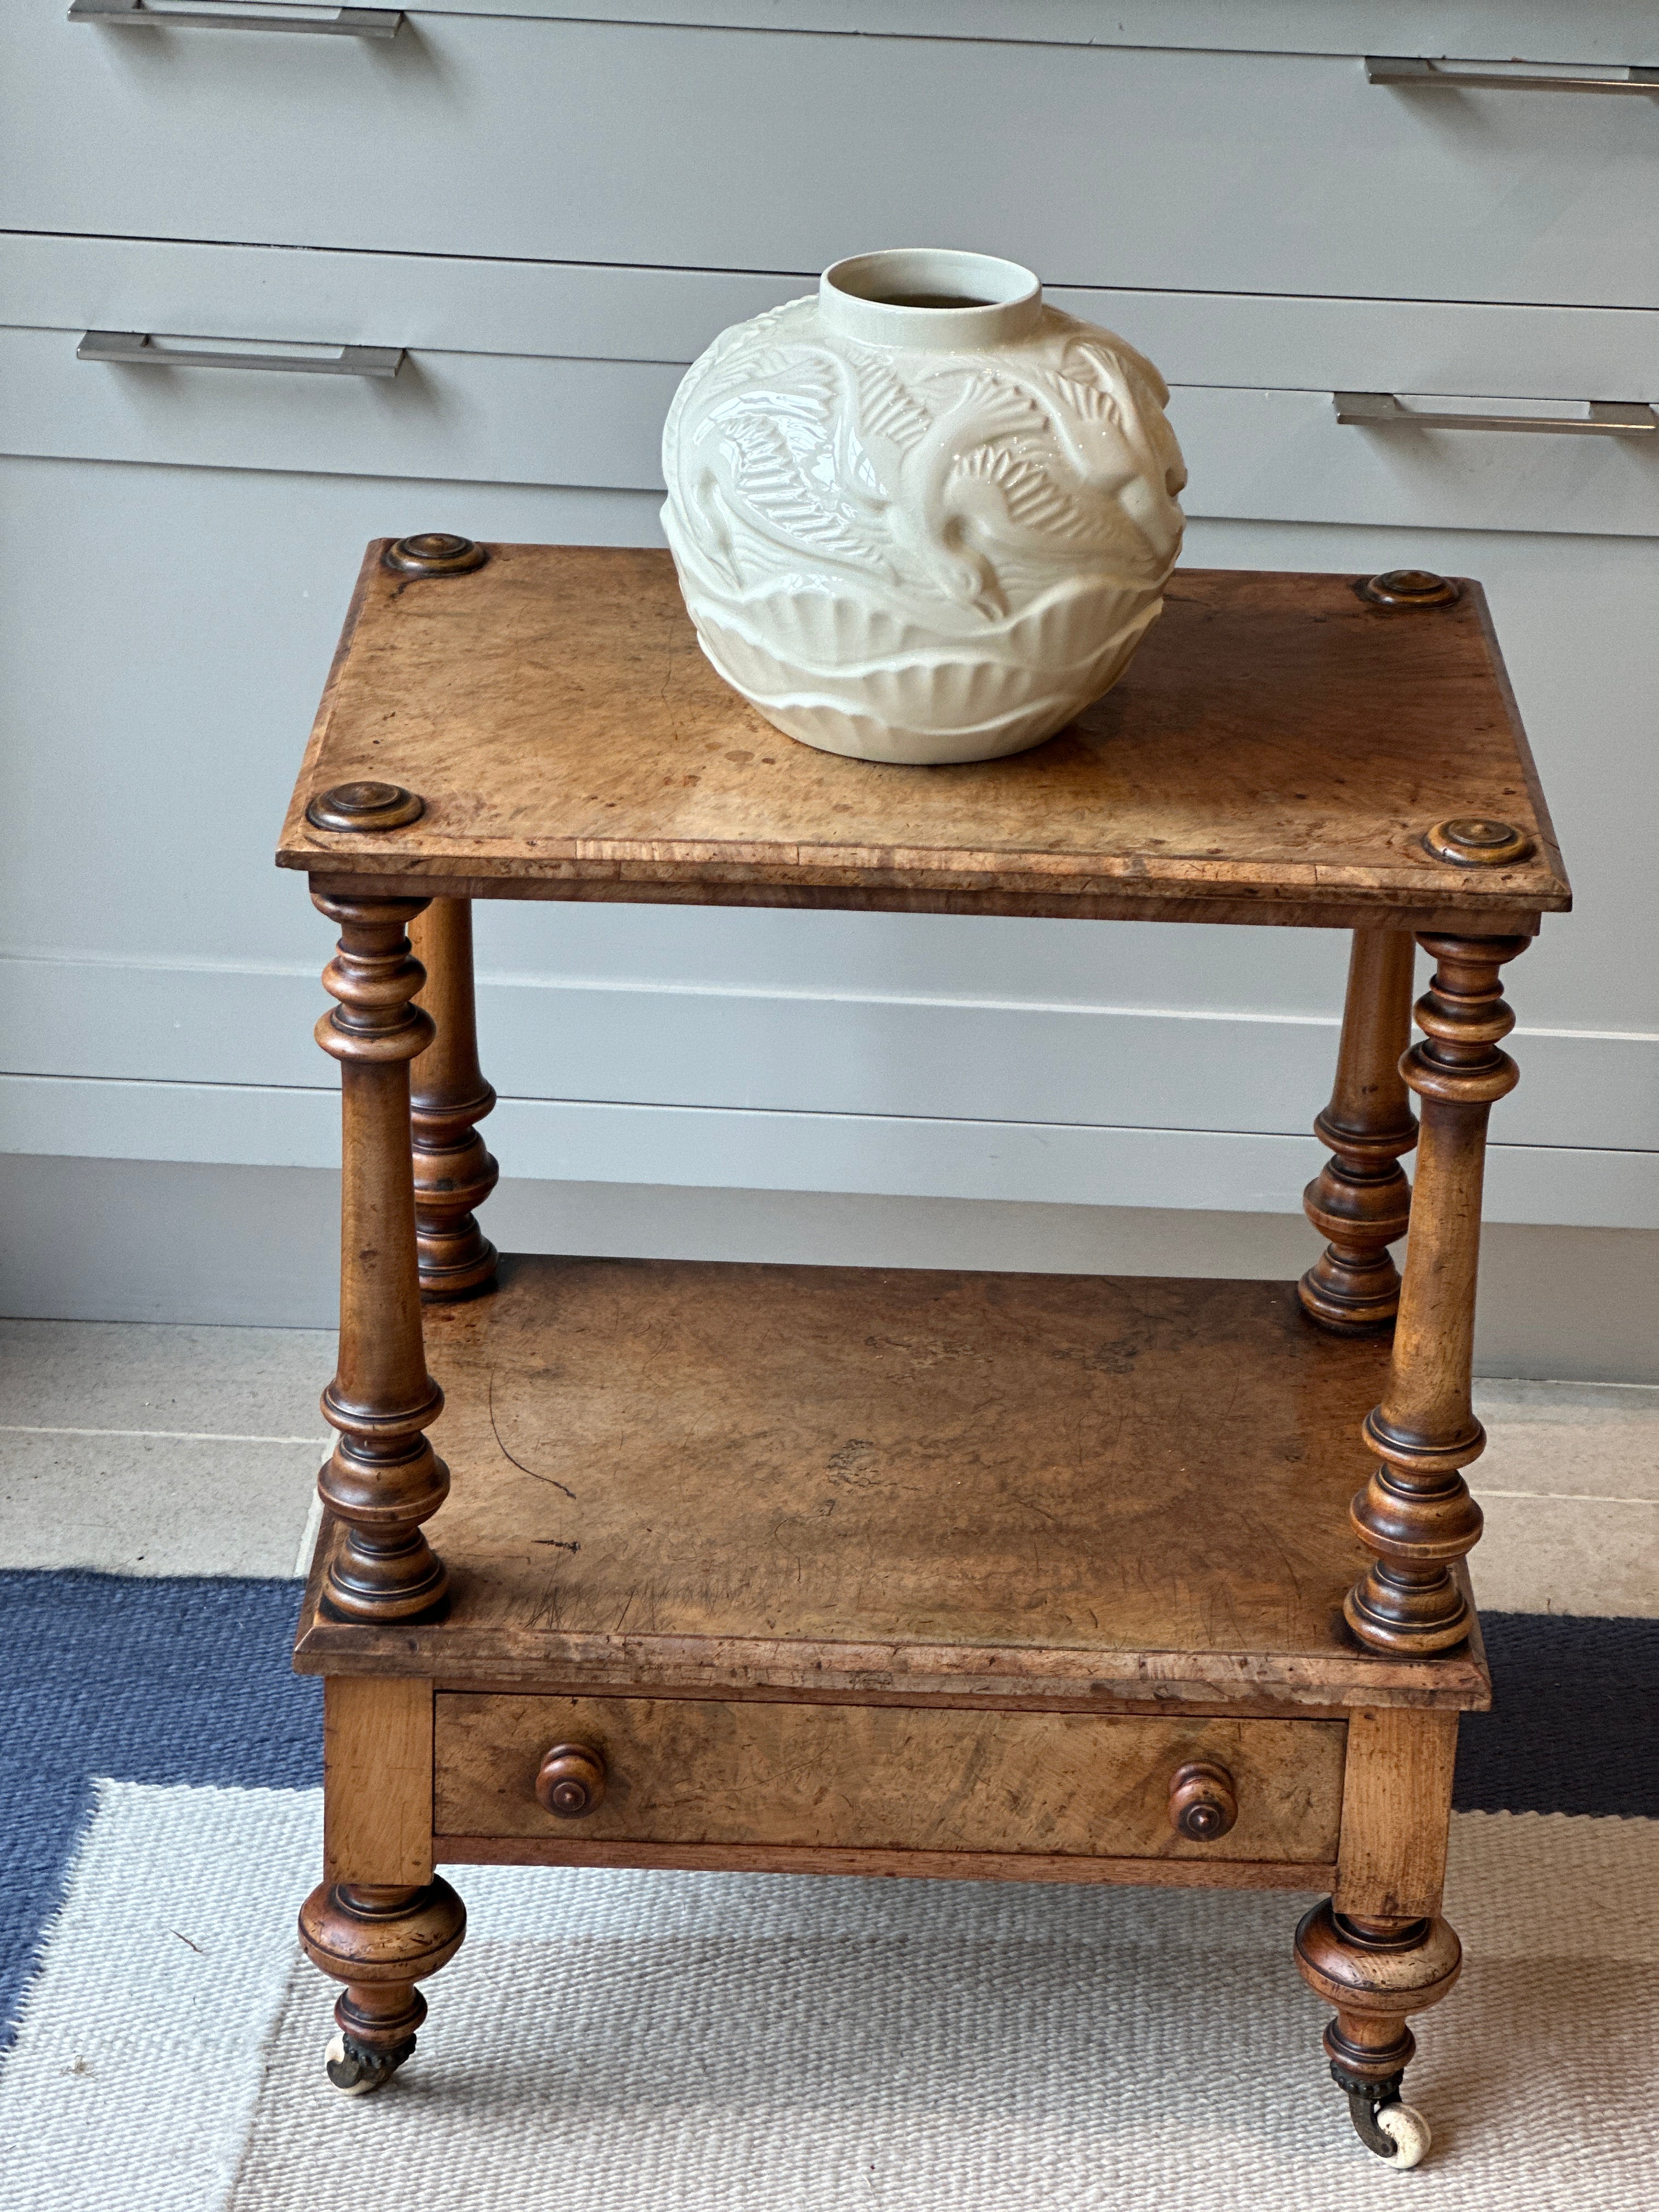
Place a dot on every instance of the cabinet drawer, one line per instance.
(457, 418)
(512, 418)
(694, 147)
(693, 1772)
(193, 673)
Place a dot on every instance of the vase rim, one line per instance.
(930, 299)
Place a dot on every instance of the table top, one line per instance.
(1106, 1493)
(1277, 752)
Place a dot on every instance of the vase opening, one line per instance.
(931, 299)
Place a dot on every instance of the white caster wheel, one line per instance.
(1407, 2130)
(1395, 2132)
(356, 2072)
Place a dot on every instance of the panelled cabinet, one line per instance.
(540, 214)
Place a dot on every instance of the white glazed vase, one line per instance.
(921, 532)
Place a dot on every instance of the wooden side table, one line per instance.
(1019, 1577)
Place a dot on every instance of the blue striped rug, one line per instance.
(160, 1824)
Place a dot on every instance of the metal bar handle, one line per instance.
(1396, 69)
(135, 348)
(138, 16)
(1606, 418)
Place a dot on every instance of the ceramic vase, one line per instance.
(922, 516)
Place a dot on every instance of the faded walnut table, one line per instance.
(874, 1570)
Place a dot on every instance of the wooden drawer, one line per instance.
(698, 146)
(696, 1772)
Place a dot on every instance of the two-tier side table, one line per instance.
(1006, 1577)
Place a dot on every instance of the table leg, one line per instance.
(1416, 1514)
(1378, 1950)
(1360, 1198)
(1375, 1973)
(454, 1172)
(381, 1921)
(384, 1478)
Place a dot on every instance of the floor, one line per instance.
(687, 2042)
(143, 1449)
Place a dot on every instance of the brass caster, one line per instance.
(1390, 2129)
(358, 2072)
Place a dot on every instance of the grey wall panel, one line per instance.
(804, 1051)
(112, 1240)
(163, 641)
(771, 151)
(910, 1156)
(162, 647)
(194, 613)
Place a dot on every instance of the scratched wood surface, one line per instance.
(1316, 1875)
(1397, 1813)
(711, 1476)
(702, 1771)
(1275, 753)
(377, 1779)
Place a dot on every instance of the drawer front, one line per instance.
(512, 418)
(742, 149)
(573, 311)
(471, 418)
(884, 1778)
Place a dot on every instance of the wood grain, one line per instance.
(1276, 751)
(702, 1771)
(377, 1780)
(1415, 1513)
(383, 1479)
(715, 1476)
(1360, 1198)
(454, 1171)
(1397, 1813)
(924, 1866)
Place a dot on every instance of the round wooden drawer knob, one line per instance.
(1203, 1803)
(571, 1780)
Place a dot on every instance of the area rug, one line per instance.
(692, 2043)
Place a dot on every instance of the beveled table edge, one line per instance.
(1021, 883)
(1322, 907)
(1008, 1677)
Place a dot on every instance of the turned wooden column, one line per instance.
(384, 1478)
(448, 1095)
(1360, 1198)
(1374, 1974)
(1416, 1514)
(380, 1941)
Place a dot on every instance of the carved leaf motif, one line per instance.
(778, 471)
(1088, 400)
(992, 407)
(886, 410)
(1034, 501)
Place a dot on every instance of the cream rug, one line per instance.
(621, 2042)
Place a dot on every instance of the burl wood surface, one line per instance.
(377, 1779)
(709, 1477)
(1275, 753)
(1397, 1813)
(701, 1770)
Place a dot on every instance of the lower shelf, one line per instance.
(720, 1481)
